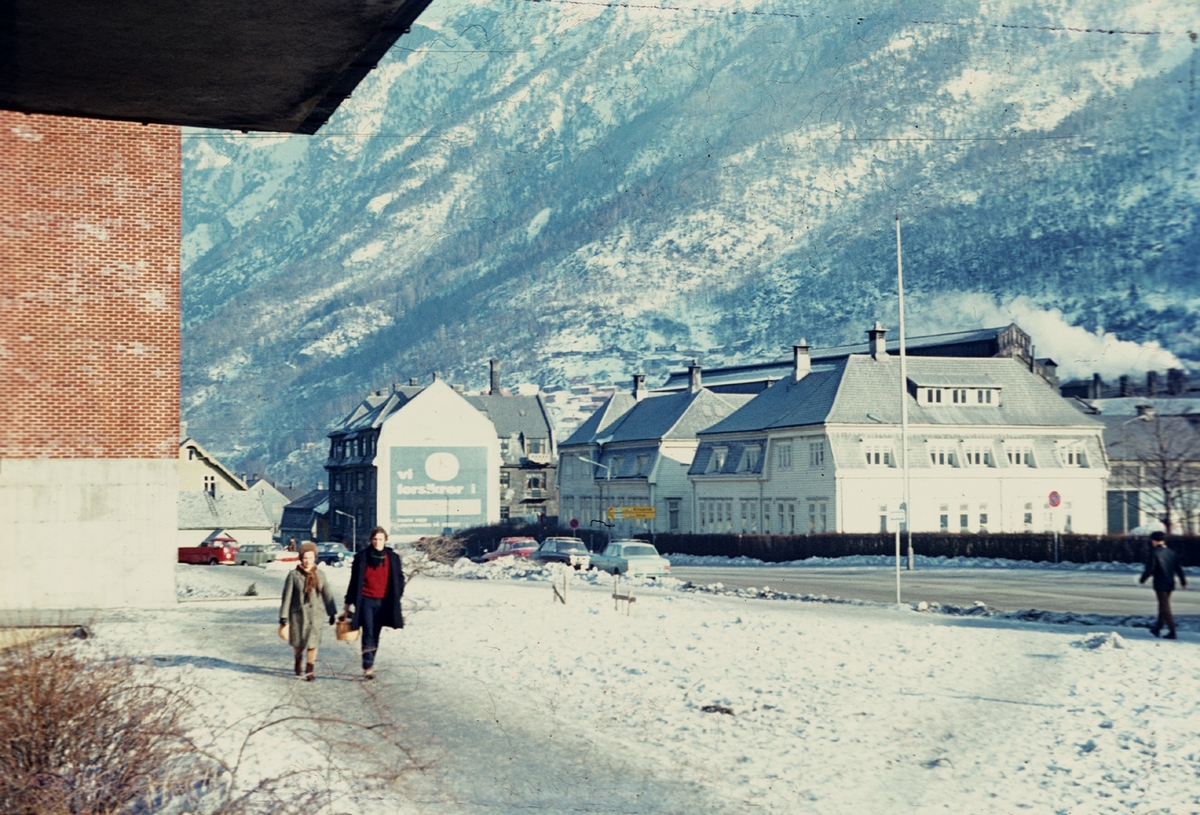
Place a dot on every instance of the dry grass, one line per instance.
(82, 736)
(85, 734)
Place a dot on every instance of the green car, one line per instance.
(256, 554)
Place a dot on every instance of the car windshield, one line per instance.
(640, 551)
(566, 546)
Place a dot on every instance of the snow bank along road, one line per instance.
(703, 702)
(1081, 592)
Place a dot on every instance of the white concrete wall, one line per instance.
(81, 534)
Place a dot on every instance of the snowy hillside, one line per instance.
(583, 189)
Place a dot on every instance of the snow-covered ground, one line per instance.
(696, 701)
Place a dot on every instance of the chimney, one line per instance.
(694, 377)
(1126, 387)
(459, 389)
(1097, 387)
(412, 382)
(801, 361)
(1145, 411)
(437, 375)
(875, 339)
(183, 428)
(495, 383)
(639, 387)
(320, 485)
(1175, 382)
(1152, 383)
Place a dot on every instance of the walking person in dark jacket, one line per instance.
(1163, 566)
(373, 596)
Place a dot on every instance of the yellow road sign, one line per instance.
(637, 513)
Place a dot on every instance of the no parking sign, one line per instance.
(1055, 499)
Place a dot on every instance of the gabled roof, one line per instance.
(375, 410)
(597, 425)
(515, 414)
(1161, 438)
(211, 459)
(225, 510)
(675, 415)
(860, 390)
(969, 344)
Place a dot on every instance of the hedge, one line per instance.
(1033, 546)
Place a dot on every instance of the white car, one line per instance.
(632, 557)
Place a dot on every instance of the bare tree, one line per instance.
(1157, 458)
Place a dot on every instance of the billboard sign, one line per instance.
(438, 487)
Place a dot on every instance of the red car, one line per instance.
(221, 550)
(520, 547)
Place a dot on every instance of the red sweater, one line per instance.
(375, 579)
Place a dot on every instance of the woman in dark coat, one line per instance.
(307, 601)
(1163, 566)
(373, 596)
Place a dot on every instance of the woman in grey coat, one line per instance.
(307, 601)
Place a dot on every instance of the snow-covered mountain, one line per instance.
(599, 189)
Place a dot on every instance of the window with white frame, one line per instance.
(816, 454)
(749, 460)
(933, 396)
(943, 454)
(749, 509)
(787, 517)
(1019, 454)
(640, 464)
(977, 454)
(716, 462)
(1028, 517)
(783, 454)
(818, 519)
(878, 454)
(1071, 454)
(618, 463)
(983, 517)
(673, 514)
(958, 396)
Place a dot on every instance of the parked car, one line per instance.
(631, 557)
(511, 547)
(256, 554)
(211, 552)
(570, 551)
(332, 553)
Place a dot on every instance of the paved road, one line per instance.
(1008, 590)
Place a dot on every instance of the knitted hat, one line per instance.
(308, 546)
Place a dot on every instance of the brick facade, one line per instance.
(89, 289)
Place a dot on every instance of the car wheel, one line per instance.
(212, 561)
(244, 563)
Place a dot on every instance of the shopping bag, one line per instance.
(344, 632)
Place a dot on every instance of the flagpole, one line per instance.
(903, 396)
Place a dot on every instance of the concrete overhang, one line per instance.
(265, 65)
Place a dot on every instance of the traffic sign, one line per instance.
(574, 524)
(1055, 499)
(637, 513)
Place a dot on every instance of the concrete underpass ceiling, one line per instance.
(263, 65)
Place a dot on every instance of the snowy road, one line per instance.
(710, 703)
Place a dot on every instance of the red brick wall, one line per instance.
(89, 288)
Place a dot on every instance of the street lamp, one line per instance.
(607, 477)
(353, 527)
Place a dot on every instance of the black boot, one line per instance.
(298, 660)
(309, 675)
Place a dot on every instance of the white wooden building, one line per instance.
(991, 447)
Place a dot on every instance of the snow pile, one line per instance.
(1096, 641)
(919, 561)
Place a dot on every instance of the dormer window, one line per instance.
(942, 454)
(933, 396)
(977, 454)
(618, 462)
(749, 460)
(717, 462)
(640, 464)
(1071, 454)
(1019, 454)
(979, 392)
(878, 454)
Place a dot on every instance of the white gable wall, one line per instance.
(437, 464)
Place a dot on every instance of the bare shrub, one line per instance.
(85, 736)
